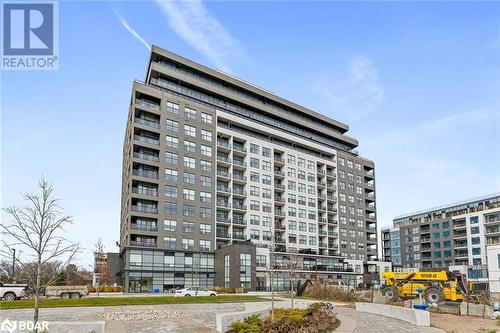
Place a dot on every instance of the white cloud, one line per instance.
(132, 31)
(355, 96)
(199, 28)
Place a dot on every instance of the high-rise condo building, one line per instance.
(221, 178)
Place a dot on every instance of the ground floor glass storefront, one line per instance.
(160, 271)
(283, 282)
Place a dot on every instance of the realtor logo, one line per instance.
(29, 35)
(8, 326)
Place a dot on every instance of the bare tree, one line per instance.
(270, 268)
(37, 229)
(291, 264)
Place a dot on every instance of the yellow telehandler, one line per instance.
(436, 286)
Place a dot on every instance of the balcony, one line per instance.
(223, 219)
(240, 222)
(239, 206)
(460, 244)
(148, 123)
(331, 198)
(239, 177)
(145, 173)
(239, 148)
(223, 174)
(223, 204)
(322, 196)
(223, 159)
(224, 189)
(322, 208)
(330, 174)
(321, 184)
(223, 234)
(239, 163)
(238, 236)
(145, 209)
(279, 226)
(461, 254)
(223, 145)
(146, 157)
(321, 220)
(322, 245)
(146, 140)
(142, 243)
(460, 234)
(143, 227)
(425, 240)
(279, 174)
(492, 229)
(279, 186)
(147, 104)
(333, 234)
(370, 206)
(239, 192)
(322, 232)
(321, 172)
(145, 191)
(332, 221)
(279, 200)
(278, 212)
(370, 185)
(279, 160)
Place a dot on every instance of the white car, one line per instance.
(194, 291)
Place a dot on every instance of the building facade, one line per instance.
(454, 236)
(210, 161)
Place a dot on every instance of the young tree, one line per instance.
(101, 265)
(36, 230)
(291, 264)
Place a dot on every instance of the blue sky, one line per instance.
(418, 84)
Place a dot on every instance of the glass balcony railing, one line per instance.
(147, 104)
(148, 123)
(145, 173)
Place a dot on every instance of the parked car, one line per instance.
(194, 291)
(11, 292)
(66, 291)
(341, 285)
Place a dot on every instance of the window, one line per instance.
(189, 146)
(475, 240)
(266, 179)
(350, 164)
(206, 135)
(266, 221)
(206, 118)
(266, 152)
(302, 226)
(302, 188)
(291, 172)
(172, 126)
(312, 227)
(190, 131)
(476, 251)
(474, 219)
(188, 227)
(291, 159)
(169, 225)
(312, 240)
(301, 162)
(206, 166)
(254, 177)
(189, 162)
(266, 207)
(358, 166)
(188, 194)
(254, 219)
(171, 158)
(169, 242)
(205, 213)
(254, 205)
(254, 163)
(205, 197)
(188, 210)
(301, 175)
(245, 270)
(302, 213)
(171, 175)
(292, 211)
(291, 185)
(266, 165)
(254, 191)
(172, 142)
(189, 178)
(206, 151)
(311, 165)
(474, 230)
(171, 191)
(206, 181)
(172, 107)
(311, 177)
(189, 113)
(254, 234)
(266, 193)
(254, 149)
(302, 239)
(292, 198)
(292, 225)
(227, 269)
(205, 245)
(188, 244)
(170, 208)
(205, 228)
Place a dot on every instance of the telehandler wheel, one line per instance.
(434, 295)
(391, 293)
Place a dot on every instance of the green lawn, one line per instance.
(112, 301)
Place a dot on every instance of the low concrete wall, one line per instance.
(416, 317)
(473, 309)
(224, 320)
